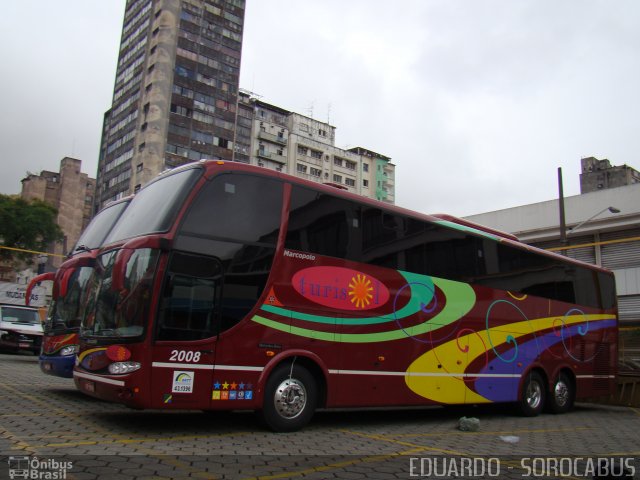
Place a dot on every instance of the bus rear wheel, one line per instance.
(562, 395)
(532, 396)
(290, 398)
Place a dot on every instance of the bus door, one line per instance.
(371, 371)
(183, 354)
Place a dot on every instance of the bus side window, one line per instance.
(236, 220)
(322, 224)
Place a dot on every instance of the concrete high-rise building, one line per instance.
(71, 192)
(175, 92)
(600, 174)
(273, 137)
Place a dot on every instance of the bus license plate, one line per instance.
(46, 366)
(90, 386)
(23, 345)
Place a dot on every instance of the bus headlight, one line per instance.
(69, 350)
(119, 368)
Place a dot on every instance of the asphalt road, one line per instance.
(50, 430)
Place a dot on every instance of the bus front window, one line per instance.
(120, 313)
(65, 313)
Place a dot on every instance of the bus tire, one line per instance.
(290, 398)
(562, 394)
(532, 396)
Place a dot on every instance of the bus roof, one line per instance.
(449, 221)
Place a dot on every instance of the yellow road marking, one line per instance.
(508, 432)
(98, 430)
(334, 466)
(127, 441)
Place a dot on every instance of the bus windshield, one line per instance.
(119, 314)
(155, 207)
(65, 312)
(97, 230)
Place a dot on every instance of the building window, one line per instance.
(337, 178)
(337, 161)
(350, 182)
(302, 150)
(315, 172)
(365, 183)
(139, 167)
(365, 167)
(301, 168)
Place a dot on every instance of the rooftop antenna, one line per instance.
(329, 113)
(310, 110)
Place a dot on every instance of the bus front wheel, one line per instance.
(290, 398)
(532, 397)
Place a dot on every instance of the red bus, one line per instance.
(60, 341)
(228, 286)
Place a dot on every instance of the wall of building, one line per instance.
(299, 145)
(71, 192)
(600, 174)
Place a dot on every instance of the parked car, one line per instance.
(20, 328)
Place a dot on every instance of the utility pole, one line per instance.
(563, 224)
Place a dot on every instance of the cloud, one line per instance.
(477, 102)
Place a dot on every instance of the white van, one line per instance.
(20, 328)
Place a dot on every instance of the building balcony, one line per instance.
(307, 176)
(311, 160)
(269, 137)
(345, 169)
(271, 156)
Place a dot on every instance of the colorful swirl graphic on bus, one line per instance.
(478, 365)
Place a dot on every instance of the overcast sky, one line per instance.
(478, 102)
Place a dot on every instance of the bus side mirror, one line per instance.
(61, 284)
(34, 281)
(120, 269)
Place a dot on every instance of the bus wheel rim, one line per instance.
(290, 398)
(561, 393)
(534, 395)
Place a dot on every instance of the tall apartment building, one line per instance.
(71, 192)
(600, 174)
(272, 137)
(175, 92)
